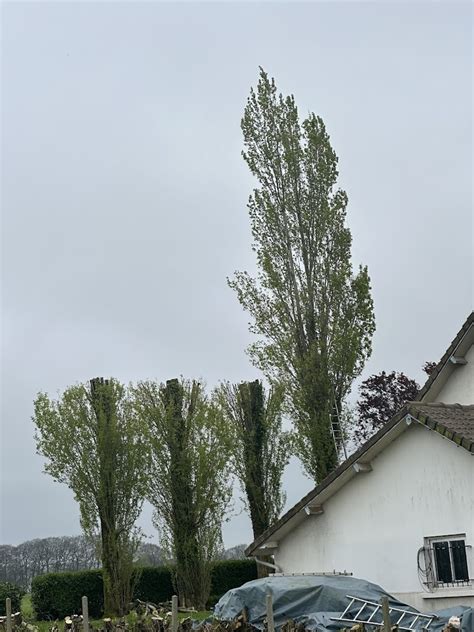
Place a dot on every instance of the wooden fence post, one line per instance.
(8, 611)
(85, 614)
(387, 624)
(270, 619)
(174, 613)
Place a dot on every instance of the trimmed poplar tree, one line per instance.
(259, 447)
(313, 316)
(189, 485)
(93, 442)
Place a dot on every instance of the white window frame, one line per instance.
(431, 560)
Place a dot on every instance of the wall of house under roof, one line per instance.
(421, 485)
(459, 389)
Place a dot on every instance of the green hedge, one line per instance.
(56, 595)
(14, 592)
(154, 584)
(231, 574)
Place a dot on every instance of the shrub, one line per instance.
(154, 584)
(14, 592)
(229, 574)
(56, 595)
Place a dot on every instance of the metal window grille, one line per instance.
(446, 560)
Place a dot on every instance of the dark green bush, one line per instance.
(56, 595)
(154, 584)
(14, 592)
(229, 574)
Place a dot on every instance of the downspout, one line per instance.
(268, 564)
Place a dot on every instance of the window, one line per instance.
(448, 560)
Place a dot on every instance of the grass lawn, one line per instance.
(27, 608)
(197, 616)
(43, 626)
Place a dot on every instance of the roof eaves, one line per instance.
(449, 352)
(443, 430)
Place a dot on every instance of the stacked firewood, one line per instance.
(17, 624)
(145, 617)
(240, 624)
(73, 623)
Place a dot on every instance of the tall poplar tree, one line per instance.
(313, 316)
(189, 484)
(259, 447)
(94, 443)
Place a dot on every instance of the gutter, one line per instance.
(268, 565)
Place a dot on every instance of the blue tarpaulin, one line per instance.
(315, 601)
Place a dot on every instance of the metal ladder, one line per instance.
(338, 434)
(367, 612)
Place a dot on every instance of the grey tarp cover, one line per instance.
(313, 600)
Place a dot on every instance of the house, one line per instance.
(399, 512)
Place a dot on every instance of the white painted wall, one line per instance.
(421, 485)
(459, 389)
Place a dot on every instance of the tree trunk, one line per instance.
(192, 573)
(252, 404)
(316, 402)
(110, 572)
(115, 584)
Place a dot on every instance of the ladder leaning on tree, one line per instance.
(337, 431)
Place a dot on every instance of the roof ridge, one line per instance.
(449, 351)
(442, 405)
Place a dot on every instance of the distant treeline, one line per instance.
(20, 564)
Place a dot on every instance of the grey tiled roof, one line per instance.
(452, 420)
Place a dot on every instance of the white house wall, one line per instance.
(421, 485)
(459, 389)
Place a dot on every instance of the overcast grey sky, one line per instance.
(124, 194)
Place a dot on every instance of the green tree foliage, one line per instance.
(15, 593)
(93, 442)
(313, 316)
(260, 449)
(189, 484)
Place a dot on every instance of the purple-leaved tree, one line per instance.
(381, 396)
